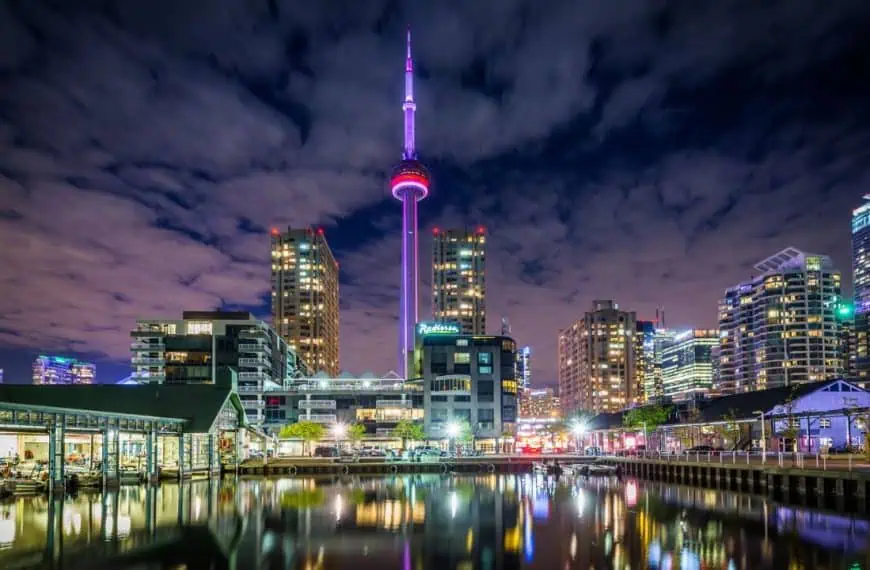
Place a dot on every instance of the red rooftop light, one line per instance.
(435, 231)
(320, 231)
(481, 229)
(274, 231)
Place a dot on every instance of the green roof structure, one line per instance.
(197, 404)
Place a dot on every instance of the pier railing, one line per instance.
(822, 461)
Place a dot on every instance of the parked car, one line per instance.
(592, 450)
(326, 451)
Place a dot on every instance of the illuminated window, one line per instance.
(199, 327)
(461, 358)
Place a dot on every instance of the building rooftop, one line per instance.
(197, 404)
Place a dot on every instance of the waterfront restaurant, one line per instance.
(816, 417)
(150, 430)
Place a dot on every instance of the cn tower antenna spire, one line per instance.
(408, 105)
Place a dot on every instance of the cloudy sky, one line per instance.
(649, 152)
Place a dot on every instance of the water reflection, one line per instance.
(425, 522)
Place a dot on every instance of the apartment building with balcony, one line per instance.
(378, 403)
(780, 328)
(212, 347)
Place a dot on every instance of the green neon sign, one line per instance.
(431, 328)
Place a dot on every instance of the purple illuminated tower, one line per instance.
(410, 184)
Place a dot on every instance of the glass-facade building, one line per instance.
(687, 364)
(861, 284)
(459, 278)
(60, 370)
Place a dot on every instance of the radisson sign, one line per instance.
(430, 328)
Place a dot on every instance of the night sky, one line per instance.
(649, 152)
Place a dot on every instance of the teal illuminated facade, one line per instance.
(687, 364)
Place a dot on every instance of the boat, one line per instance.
(23, 486)
(129, 477)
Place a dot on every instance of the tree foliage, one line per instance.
(356, 432)
(304, 430)
(728, 432)
(406, 430)
(465, 433)
(649, 416)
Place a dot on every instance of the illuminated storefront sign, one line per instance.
(424, 329)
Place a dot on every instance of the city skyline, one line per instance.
(593, 179)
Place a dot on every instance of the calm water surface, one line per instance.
(425, 523)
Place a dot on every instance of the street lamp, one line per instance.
(339, 430)
(763, 437)
(578, 428)
(452, 429)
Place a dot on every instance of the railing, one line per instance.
(253, 376)
(154, 346)
(253, 362)
(147, 361)
(258, 347)
(782, 459)
(325, 418)
(393, 403)
(317, 404)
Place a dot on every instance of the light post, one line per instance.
(645, 440)
(763, 437)
(339, 430)
(578, 428)
(452, 432)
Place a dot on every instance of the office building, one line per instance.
(540, 404)
(687, 364)
(861, 285)
(467, 378)
(459, 278)
(216, 347)
(780, 327)
(409, 183)
(645, 360)
(597, 361)
(378, 403)
(305, 296)
(60, 370)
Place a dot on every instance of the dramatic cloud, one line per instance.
(648, 152)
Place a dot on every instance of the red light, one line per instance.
(410, 177)
(274, 231)
(320, 231)
(481, 229)
(435, 231)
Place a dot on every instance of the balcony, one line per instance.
(248, 389)
(147, 361)
(253, 362)
(254, 376)
(317, 404)
(257, 347)
(405, 404)
(146, 377)
(320, 418)
(254, 334)
(148, 346)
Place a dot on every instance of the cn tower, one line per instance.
(410, 183)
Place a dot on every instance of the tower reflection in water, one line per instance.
(425, 522)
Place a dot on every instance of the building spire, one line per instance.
(408, 106)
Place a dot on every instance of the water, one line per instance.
(425, 522)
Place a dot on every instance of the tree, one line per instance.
(304, 430)
(792, 425)
(730, 430)
(406, 430)
(356, 432)
(647, 417)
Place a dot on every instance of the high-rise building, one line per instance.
(215, 347)
(524, 367)
(467, 379)
(409, 183)
(60, 370)
(541, 403)
(305, 296)
(645, 360)
(662, 338)
(459, 278)
(597, 368)
(780, 328)
(687, 364)
(861, 284)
